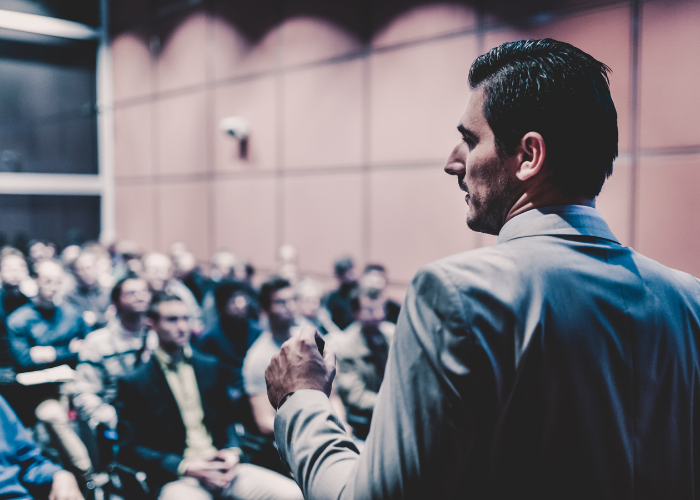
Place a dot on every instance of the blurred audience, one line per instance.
(338, 301)
(89, 295)
(233, 334)
(159, 273)
(278, 302)
(174, 408)
(374, 280)
(46, 332)
(13, 270)
(174, 421)
(362, 351)
(24, 473)
(113, 352)
(309, 294)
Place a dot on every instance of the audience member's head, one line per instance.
(69, 255)
(309, 293)
(222, 265)
(49, 278)
(374, 280)
(158, 270)
(86, 270)
(13, 267)
(131, 296)
(367, 308)
(185, 262)
(278, 302)
(344, 270)
(169, 317)
(232, 300)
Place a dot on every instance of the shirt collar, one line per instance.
(575, 220)
(166, 362)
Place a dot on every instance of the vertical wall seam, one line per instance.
(279, 117)
(209, 76)
(635, 32)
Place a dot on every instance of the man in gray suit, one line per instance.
(554, 364)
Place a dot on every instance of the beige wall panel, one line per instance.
(244, 219)
(131, 66)
(418, 95)
(424, 21)
(605, 35)
(182, 134)
(307, 39)
(254, 100)
(183, 55)
(322, 116)
(417, 216)
(668, 223)
(183, 215)
(245, 38)
(133, 140)
(322, 218)
(135, 215)
(670, 71)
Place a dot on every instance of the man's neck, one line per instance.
(43, 303)
(132, 322)
(280, 334)
(176, 353)
(545, 196)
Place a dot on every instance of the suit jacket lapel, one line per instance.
(161, 389)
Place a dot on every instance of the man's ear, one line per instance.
(150, 323)
(533, 152)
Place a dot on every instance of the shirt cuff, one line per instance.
(182, 468)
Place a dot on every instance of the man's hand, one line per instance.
(215, 472)
(42, 354)
(65, 487)
(299, 365)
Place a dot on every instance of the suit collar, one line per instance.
(561, 220)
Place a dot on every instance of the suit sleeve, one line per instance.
(131, 450)
(422, 431)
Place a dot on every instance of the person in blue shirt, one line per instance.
(24, 473)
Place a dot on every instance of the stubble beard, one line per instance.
(487, 212)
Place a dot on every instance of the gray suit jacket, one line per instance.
(555, 364)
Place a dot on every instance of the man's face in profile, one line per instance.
(485, 176)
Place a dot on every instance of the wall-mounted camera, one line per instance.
(239, 128)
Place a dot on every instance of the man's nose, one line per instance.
(457, 161)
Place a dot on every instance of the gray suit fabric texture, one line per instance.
(555, 364)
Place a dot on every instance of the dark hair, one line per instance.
(374, 267)
(117, 290)
(157, 300)
(225, 290)
(342, 266)
(272, 285)
(559, 91)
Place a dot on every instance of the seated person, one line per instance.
(24, 473)
(374, 280)
(89, 296)
(233, 334)
(277, 301)
(338, 301)
(362, 351)
(174, 421)
(13, 269)
(113, 352)
(42, 333)
(309, 293)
